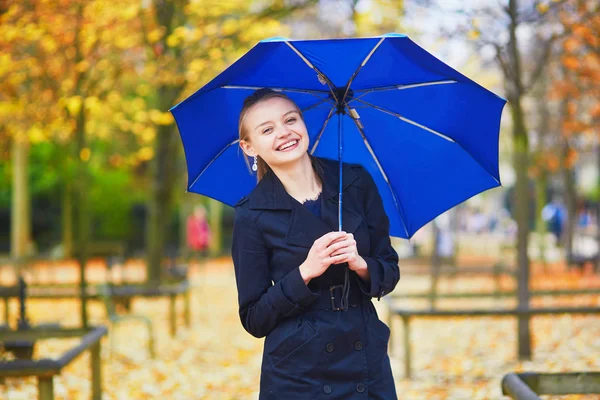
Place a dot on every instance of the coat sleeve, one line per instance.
(262, 303)
(382, 261)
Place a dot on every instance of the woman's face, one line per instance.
(275, 132)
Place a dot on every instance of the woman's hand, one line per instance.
(320, 255)
(346, 248)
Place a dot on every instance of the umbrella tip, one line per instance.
(275, 39)
(393, 34)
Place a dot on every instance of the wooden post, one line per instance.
(20, 232)
(497, 278)
(407, 352)
(6, 310)
(187, 311)
(173, 315)
(96, 372)
(46, 388)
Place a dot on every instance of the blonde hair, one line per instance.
(255, 98)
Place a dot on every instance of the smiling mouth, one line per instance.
(288, 145)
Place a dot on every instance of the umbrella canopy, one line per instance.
(427, 134)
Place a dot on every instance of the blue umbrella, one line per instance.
(427, 134)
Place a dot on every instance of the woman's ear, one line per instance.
(247, 148)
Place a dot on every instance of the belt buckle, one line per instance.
(332, 296)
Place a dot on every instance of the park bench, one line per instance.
(497, 271)
(120, 294)
(528, 385)
(407, 315)
(45, 369)
(106, 292)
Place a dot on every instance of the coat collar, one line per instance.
(269, 193)
(304, 227)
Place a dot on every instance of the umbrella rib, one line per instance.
(418, 125)
(318, 139)
(319, 73)
(326, 100)
(381, 170)
(211, 161)
(400, 87)
(276, 89)
(361, 66)
(365, 92)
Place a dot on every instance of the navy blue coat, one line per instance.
(312, 349)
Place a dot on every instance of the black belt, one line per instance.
(331, 298)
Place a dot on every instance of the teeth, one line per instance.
(288, 144)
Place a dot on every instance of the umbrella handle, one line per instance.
(346, 287)
(340, 158)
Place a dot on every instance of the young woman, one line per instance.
(290, 263)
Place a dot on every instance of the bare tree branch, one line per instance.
(541, 63)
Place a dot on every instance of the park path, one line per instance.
(217, 359)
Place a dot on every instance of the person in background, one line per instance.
(198, 233)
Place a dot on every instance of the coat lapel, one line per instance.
(304, 227)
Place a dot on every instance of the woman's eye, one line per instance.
(290, 121)
(268, 130)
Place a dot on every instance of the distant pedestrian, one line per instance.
(198, 233)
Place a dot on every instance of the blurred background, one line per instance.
(89, 151)
(91, 163)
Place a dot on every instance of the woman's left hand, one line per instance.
(355, 262)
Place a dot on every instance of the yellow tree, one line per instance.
(187, 43)
(69, 54)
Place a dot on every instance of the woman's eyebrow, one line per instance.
(291, 112)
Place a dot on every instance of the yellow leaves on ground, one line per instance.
(453, 358)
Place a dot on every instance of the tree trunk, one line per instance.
(570, 202)
(185, 208)
(541, 188)
(435, 265)
(215, 212)
(81, 213)
(163, 179)
(598, 206)
(21, 209)
(521, 164)
(67, 220)
(521, 154)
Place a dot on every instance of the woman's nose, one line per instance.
(284, 131)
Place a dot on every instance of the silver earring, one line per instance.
(255, 165)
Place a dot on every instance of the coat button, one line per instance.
(360, 387)
(327, 389)
(329, 347)
(358, 345)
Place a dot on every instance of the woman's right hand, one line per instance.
(319, 256)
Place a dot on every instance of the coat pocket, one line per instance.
(380, 329)
(293, 344)
(377, 326)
